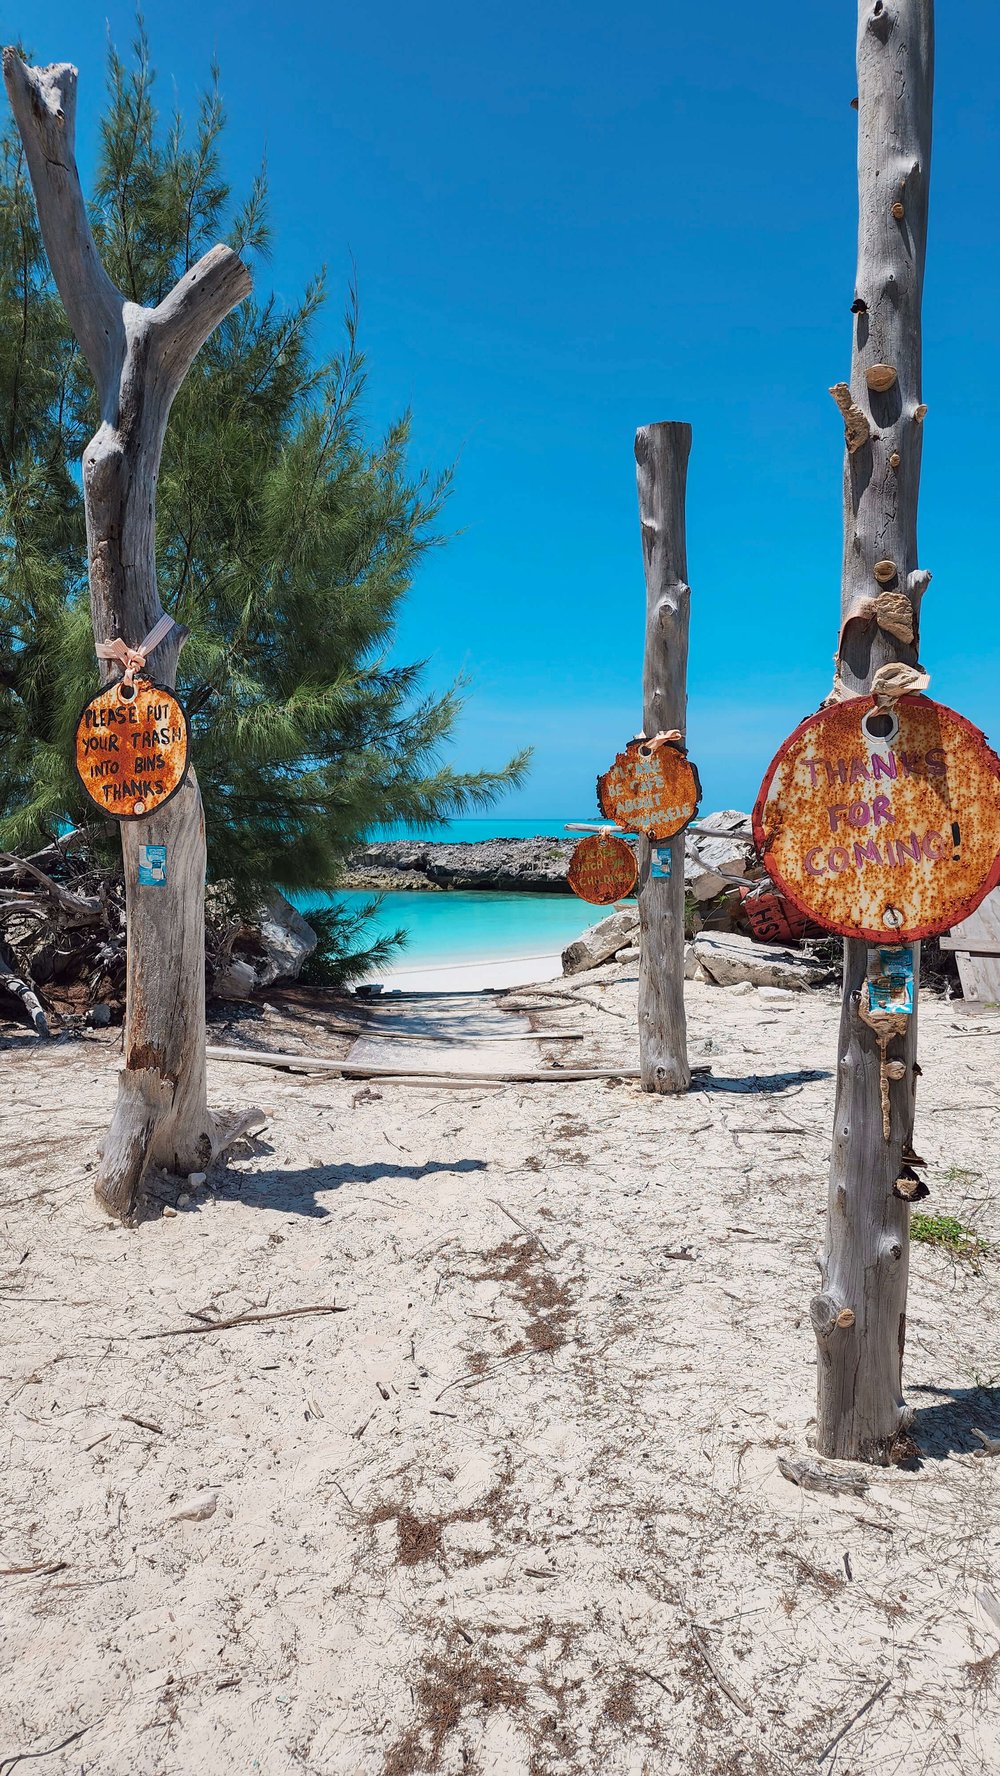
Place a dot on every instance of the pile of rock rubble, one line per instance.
(715, 867)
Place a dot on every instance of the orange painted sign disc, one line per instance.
(131, 752)
(883, 825)
(651, 790)
(603, 868)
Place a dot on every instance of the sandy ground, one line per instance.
(516, 1507)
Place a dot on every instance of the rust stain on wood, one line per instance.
(650, 790)
(603, 869)
(882, 826)
(131, 753)
(145, 1057)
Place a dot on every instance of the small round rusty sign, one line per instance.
(651, 788)
(132, 746)
(883, 824)
(603, 868)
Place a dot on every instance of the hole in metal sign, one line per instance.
(893, 917)
(126, 692)
(880, 725)
(645, 752)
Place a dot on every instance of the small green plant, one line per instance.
(948, 1232)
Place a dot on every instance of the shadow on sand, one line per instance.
(760, 1082)
(294, 1192)
(947, 1427)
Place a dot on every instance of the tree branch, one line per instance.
(185, 318)
(44, 104)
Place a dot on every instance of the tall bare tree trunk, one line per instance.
(860, 1315)
(139, 358)
(661, 454)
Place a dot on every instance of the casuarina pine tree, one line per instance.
(287, 536)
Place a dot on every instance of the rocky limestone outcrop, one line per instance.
(512, 865)
(539, 865)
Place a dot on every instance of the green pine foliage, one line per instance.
(287, 536)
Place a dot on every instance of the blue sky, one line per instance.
(569, 220)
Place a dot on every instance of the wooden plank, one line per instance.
(980, 932)
(976, 944)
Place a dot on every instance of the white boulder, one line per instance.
(601, 941)
(727, 958)
(705, 857)
(286, 941)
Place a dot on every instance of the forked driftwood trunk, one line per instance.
(860, 1315)
(139, 358)
(661, 454)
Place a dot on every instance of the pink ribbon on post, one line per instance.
(134, 659)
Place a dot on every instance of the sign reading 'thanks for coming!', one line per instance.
(883, 824)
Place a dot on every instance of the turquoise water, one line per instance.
(473, 927)
(481, 926)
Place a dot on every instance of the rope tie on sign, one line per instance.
(889, 683)
(133, 660)
(666, 737)
(896, 680)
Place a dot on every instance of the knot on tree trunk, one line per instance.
(881, 20)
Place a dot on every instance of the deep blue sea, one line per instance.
(476, 926)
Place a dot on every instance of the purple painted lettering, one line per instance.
(868, 850)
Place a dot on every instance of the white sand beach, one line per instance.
(469, 977)
(515, 1508)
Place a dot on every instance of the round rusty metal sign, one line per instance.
(651, 789)
(883, 824)
(131, 751)
(603, 868)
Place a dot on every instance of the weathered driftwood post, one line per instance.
(139, 358)
(661, 454)
(860, 1315)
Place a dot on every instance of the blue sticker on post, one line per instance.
(152, 866)
(660, 861)
(890, 979)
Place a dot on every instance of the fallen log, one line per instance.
(256, 1057)
(371, 1031)
(22, 989)
(813, 1478)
